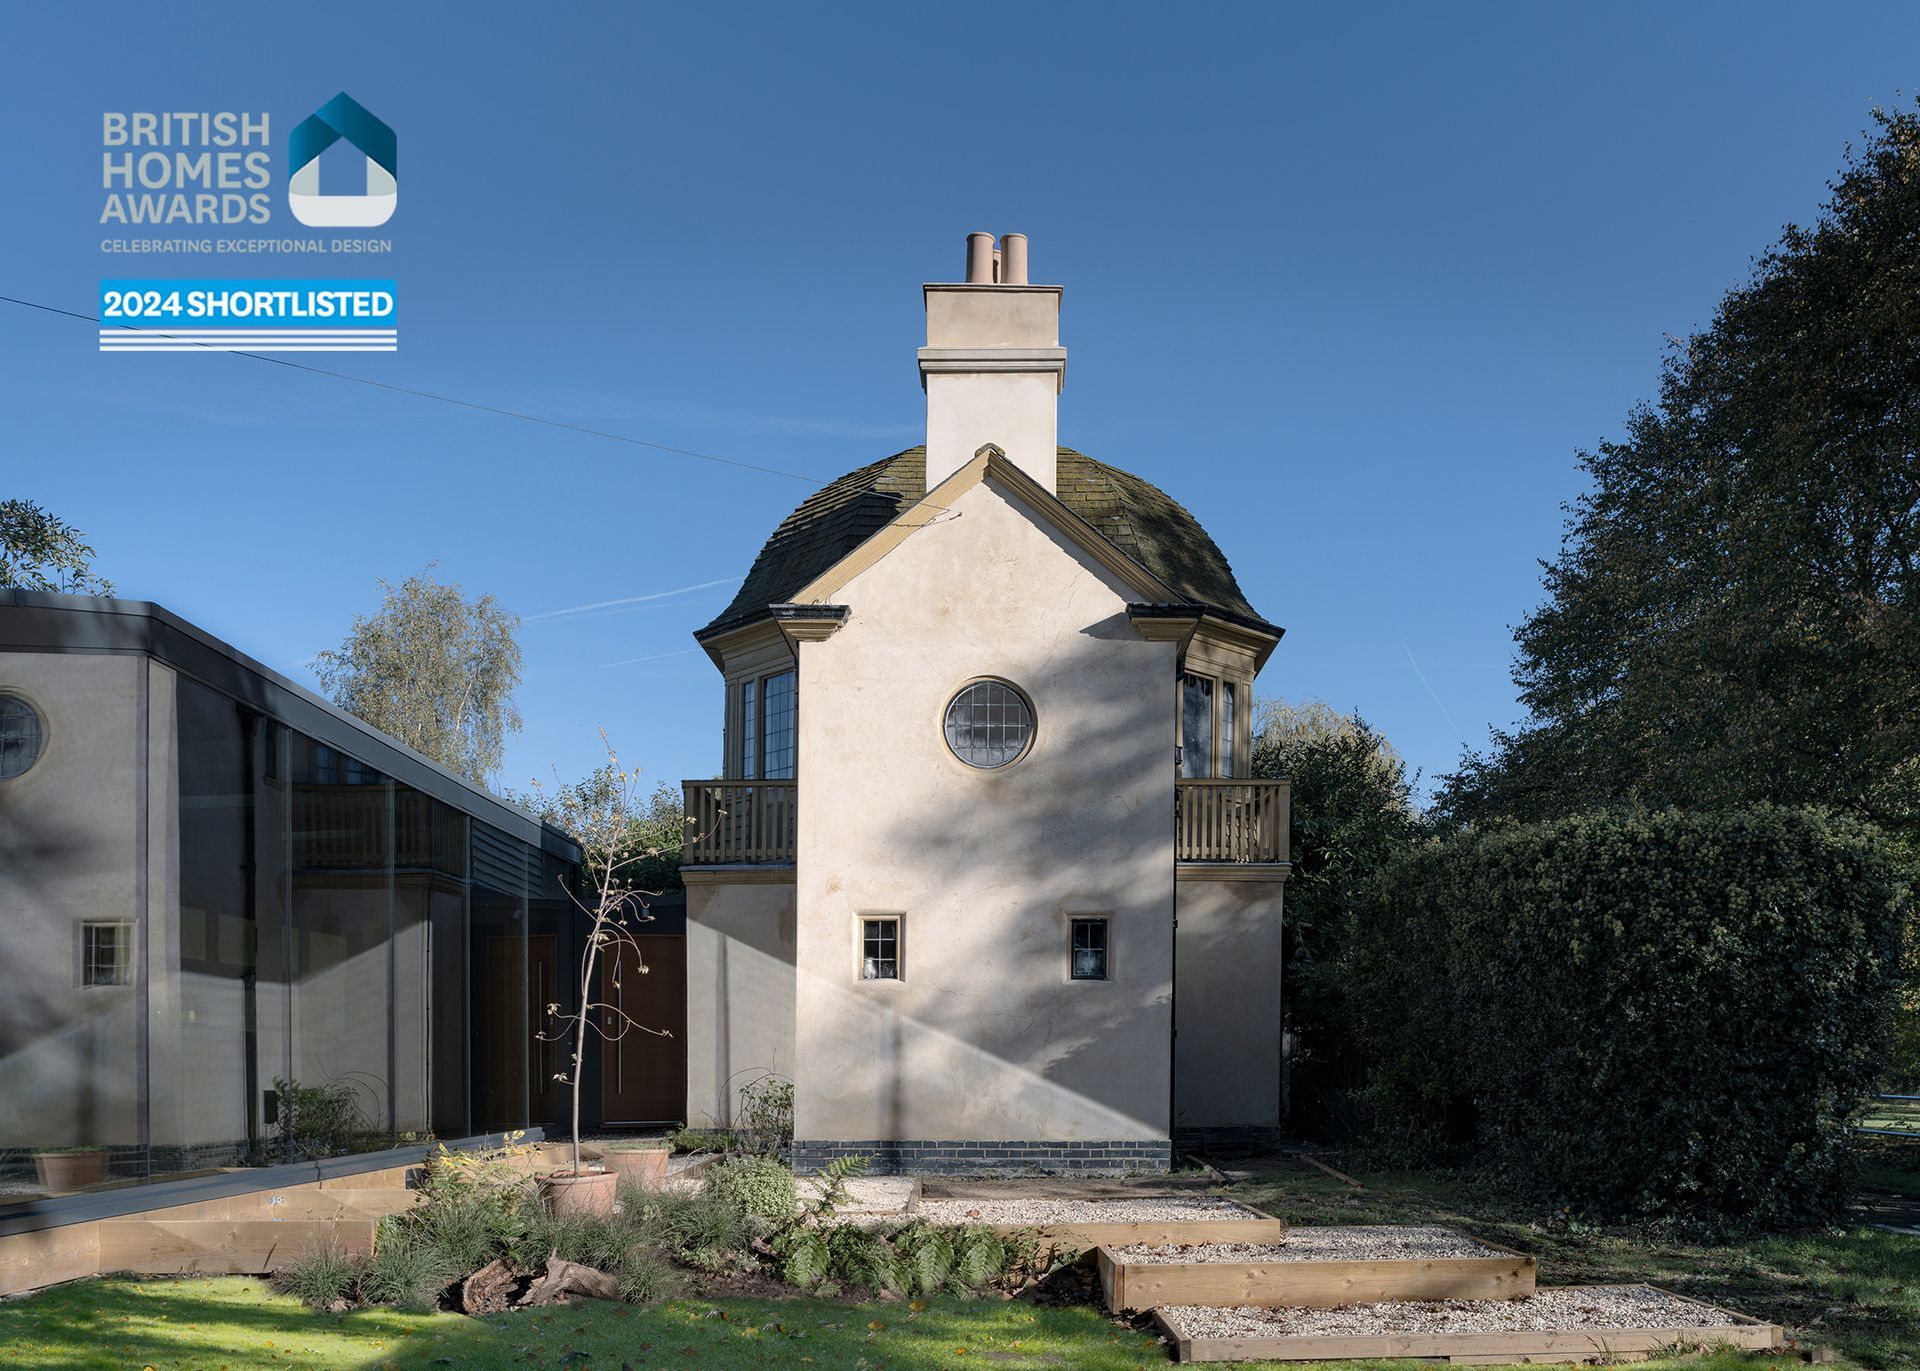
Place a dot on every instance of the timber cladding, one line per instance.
(1721, 1327)
(1141, 1286)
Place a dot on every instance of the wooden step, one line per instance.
(223, 1247)
(1138, 1286)
(300, 1202)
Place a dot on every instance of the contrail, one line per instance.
(1436, 699)
(629, 600)
(629, 661)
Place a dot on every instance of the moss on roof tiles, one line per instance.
(1135, 516)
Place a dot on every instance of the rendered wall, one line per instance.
(985, 1037)
(1227, 997)
(70, 1054)
(740, 991)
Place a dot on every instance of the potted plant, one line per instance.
(603, 814)
(70, 1168)
(642, 1162)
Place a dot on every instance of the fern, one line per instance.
(805, 1256)
(928, 1251)
(979, 1258)
(833, 1180)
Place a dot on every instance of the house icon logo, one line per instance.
(342, 117)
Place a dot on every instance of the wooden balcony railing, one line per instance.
(754, 822)
(739, 822)
(1232, 821)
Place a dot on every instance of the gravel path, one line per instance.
(1358, 1242)
(1574, 1308)
(1164, 1209)
(867, 1194)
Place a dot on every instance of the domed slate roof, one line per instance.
(1138, 518)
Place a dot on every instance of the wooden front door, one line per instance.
(643, 1075)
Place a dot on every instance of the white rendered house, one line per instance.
(984, 875)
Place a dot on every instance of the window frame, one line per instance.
(1226, 758)
(946, 744)
(43, 726)
(124, 942)
(899, 924)
(752, 724)
(1105, 924)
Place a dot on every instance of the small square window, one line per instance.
(106, 951)
(880, 949)
(1089, 957)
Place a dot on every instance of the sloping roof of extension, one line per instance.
(1138, 518)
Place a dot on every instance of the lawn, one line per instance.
(204, 1325)
(1857, 1291)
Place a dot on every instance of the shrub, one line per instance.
(407, 1269)
(757, 1185)
(764, 1122)
(1641, 1015)
(646, 1276)
(702, 1140)
(324, 1120)
(322, 1277)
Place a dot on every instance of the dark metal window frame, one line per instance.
(23, 735)
(1028, 724)
(881, 934)
(1090, 924)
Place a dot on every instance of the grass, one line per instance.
(1896, 1116)
(232, 1323)
(1857, 1291)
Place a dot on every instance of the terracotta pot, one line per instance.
(645, 1165)
(71, 1170)
(590, 1192)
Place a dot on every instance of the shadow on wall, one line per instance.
(67, 1052)
(985, 1036)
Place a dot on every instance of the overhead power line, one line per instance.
(446, 399)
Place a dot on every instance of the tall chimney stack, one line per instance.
(993, 367)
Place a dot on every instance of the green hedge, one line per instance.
(1664, 1016)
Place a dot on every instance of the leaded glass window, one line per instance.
(1196, 726)
(1227, 702)
(21, 736)
(989, 724)
(1089, 952)
(106, 954)
(782, 701)
(880, 949)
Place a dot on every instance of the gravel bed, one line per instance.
(1358, 1242)
(1166, 1209)
(1574, 1308)
(867, 1194)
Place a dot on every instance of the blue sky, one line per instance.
(1353, 285)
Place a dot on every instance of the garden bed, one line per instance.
(1315, 1268)
(1092, 1223)
(1567, 1323)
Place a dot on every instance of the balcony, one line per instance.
(736, 823)
(1238, 822)
(748, 823)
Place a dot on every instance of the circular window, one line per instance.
(20, 736)
(989, 724)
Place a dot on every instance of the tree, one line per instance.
(1352, 815)
(1734, 615)
(41, 552)
(605, 816)
(657, 824)
(434, 669)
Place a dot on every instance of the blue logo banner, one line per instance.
(250, 304)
